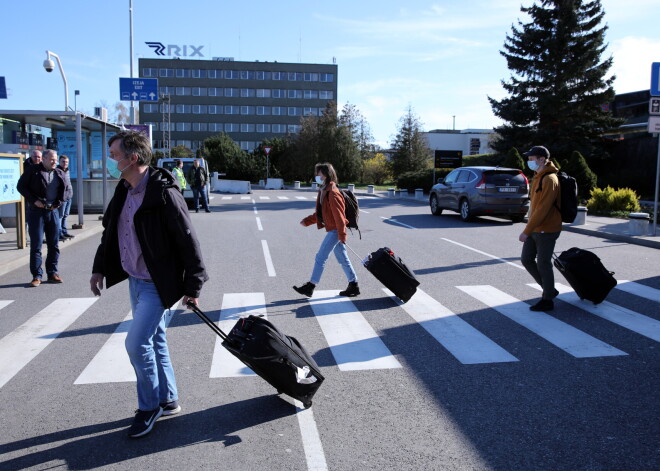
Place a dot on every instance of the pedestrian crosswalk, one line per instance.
(266, 198)
(348, 335)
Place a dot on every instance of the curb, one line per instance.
(654, 244)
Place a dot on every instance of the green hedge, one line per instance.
(609, 199)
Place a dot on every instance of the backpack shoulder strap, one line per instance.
(541, 181)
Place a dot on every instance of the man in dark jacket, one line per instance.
(149, 239)
(42, 185)
(198, 177)
(68, 196)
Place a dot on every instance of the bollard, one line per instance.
(370, 189)
(581, 217)
(419, 194)
(397, 193)
(296, 185)
(638, 224)
(351, 187)
(262, 183)
(315, 186)
(390, 192)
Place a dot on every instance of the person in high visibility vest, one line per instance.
(177, 171)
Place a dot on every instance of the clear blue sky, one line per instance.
(441, 57)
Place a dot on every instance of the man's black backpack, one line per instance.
(352, 210)
(568, 197)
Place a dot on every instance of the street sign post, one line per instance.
(138, 89)
(654, 127)
(655, 79)
(267, 151)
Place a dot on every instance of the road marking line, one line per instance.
(22, 345)
(245, 197)
(255, 210)
(111, 364)
(226, 197)
(466, 343)
(353, 343)
(484, 253)
(397, 222)
(259, 224)
(619, 315)
(282, 197)
(311, 439)
(234, 306)
(639, 290)
(4, 304)
(301, 197)
(568, 338)
(269, 260)
(264, 197)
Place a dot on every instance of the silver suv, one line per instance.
(482, 191)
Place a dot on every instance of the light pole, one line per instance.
(49, 65)
(75, 100)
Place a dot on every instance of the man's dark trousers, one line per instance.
(197, 192)
(39, 221)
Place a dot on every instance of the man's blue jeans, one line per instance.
(197, 192)
(331, 244)
(147, 349)
(40, 221)
(64, 213)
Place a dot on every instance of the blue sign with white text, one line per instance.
(138, 89)
(655, 79)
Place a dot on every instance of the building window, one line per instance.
(149, 72)
(247, 127)
(215, 127)
(295, 93)
(310, 111)
(183, 91)
(277, 110)
(213, 109)
(247, 109)
(263, 110)
(279, 128)
(247, 92)
(181, 108)
(232, 92)
(278, 75)
(325, 94)
(212, 73)
(247, 74)
(199, 109)
(263, 93)
(294, 111)
(294, 128)
(311, 94)
(277, 93)
(167, 90)
(260, 75)
(150, 108)
(213, 91)
(199, 91)
(199, 73)
(263, 127)
(200, 126)
(181, 126)
(182, 73)
(166, 73)
(231, 127)
(327, 77)
(232, 109)
(231, 74)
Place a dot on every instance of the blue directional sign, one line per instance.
(655, 79)
(3, 88)
(138, 89)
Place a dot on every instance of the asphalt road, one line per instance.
(463, 377)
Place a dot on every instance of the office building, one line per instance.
(249, 101)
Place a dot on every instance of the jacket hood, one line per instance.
(160, 181)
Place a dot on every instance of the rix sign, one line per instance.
(175, 50)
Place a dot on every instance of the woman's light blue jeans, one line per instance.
(331, 243)
(147, 349)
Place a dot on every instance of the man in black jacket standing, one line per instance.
(43, 186)
(198, 177)
(148, 239)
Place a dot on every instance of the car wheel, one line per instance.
(466, 213)
(435, 209)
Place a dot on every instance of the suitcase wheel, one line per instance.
(307, 404)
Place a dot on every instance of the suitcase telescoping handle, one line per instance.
(358, 255)
(214, 327)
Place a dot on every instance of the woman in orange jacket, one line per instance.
(329, 214)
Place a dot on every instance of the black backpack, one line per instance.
(352, 210)
(568, 198)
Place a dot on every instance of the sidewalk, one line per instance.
(11, 257)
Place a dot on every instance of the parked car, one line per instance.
(482, 191)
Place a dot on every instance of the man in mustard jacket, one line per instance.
(543, 225)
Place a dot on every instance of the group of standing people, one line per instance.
(46, 187)
(198, 177)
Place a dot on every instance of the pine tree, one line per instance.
(559, 85)
(577, 168)
(513, 159)
(411, 150)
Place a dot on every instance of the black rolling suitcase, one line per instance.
(279, 359)
(586, 274)
(392, 272)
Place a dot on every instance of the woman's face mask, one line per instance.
(319, 180)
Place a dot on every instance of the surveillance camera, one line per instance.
(49, 65)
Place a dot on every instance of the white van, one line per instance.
(187, 165)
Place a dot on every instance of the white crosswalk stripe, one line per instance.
(246, 197)
(234, 306)
(619, 315)
(4, 303)
(639, 289)
(353, 342)
(568, 338)
(226, 197)
(111, 363)
(282, 197)
(264, 197)
(22, 345)
(466, 343)
(301, 197)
